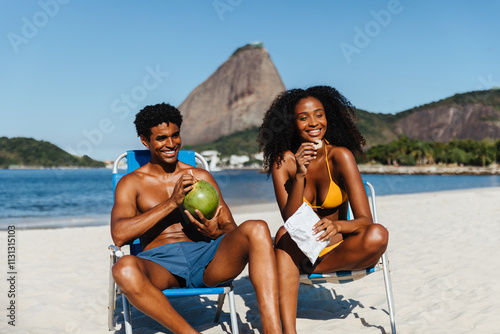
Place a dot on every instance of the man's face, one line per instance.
(164, 143)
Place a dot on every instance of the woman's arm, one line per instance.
(288, 189)
(347, 169)
(289, 179)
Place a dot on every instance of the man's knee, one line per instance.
(256, 229)
(126, 272)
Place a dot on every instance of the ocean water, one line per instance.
(82, 197)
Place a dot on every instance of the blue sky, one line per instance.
(75, 73)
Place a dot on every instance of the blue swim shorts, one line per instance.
(186, 259)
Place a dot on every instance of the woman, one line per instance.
(309, 139)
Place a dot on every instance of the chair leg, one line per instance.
(388, 292)
(126, 315)
(220, 302)
(111, 295)
(232, 308)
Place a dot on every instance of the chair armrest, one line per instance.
(115, 251)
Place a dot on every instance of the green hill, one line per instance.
(490, 97)
(239, 143)
(377, 128)
(28, 152)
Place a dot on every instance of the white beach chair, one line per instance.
(135, 159)
(347, 276)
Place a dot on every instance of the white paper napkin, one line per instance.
(300, 227)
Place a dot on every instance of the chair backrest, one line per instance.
(370, 193)
(138, 158)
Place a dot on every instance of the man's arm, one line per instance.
(126, 222)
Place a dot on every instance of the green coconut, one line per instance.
(203, 197)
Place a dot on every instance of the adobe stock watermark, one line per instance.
(487, 83)
(31, 26)
(373, 28)
(120, 107)
(276, 125)
(223, 6)
(12, 278)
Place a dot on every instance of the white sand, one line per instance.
(443, 251)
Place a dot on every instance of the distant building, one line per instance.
(212, 158)
(237, 161)
(259, 156)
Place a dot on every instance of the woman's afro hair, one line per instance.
(277, 133)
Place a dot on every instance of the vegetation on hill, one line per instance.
(385, 146)
(412, 152)
(376, 128)
(255, 45)
(239, 143)
(490, 97)
(28, 152)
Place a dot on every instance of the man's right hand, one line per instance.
(183, 185)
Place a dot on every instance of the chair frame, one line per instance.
(341, 277)
(116, 253)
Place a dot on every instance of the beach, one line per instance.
(443, 254)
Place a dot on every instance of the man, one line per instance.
(148, 204)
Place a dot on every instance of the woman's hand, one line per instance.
(329, 228)
(183, 185)
(303, 157)
(207, 227)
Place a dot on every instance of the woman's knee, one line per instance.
(376, 238)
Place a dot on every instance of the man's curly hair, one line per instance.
(277, 133)
(151, 116)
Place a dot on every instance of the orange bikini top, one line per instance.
(335, 196)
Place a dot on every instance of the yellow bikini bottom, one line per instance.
(328, 249)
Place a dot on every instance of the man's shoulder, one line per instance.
(202, 174)
(134, 177)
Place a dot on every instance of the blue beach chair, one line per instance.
(341, 277)
(135, 159)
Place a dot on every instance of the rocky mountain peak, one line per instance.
(234, 98)
(474, 115)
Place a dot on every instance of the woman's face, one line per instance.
(310, 119)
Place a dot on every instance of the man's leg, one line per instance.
(142, 282)
(250, 243)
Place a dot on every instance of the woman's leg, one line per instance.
(359, 250)
(289, 258)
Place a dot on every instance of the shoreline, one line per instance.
(429, 170)
(493, 169)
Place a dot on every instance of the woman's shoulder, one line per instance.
(340, 154)
(287, 162)
(288, 158)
